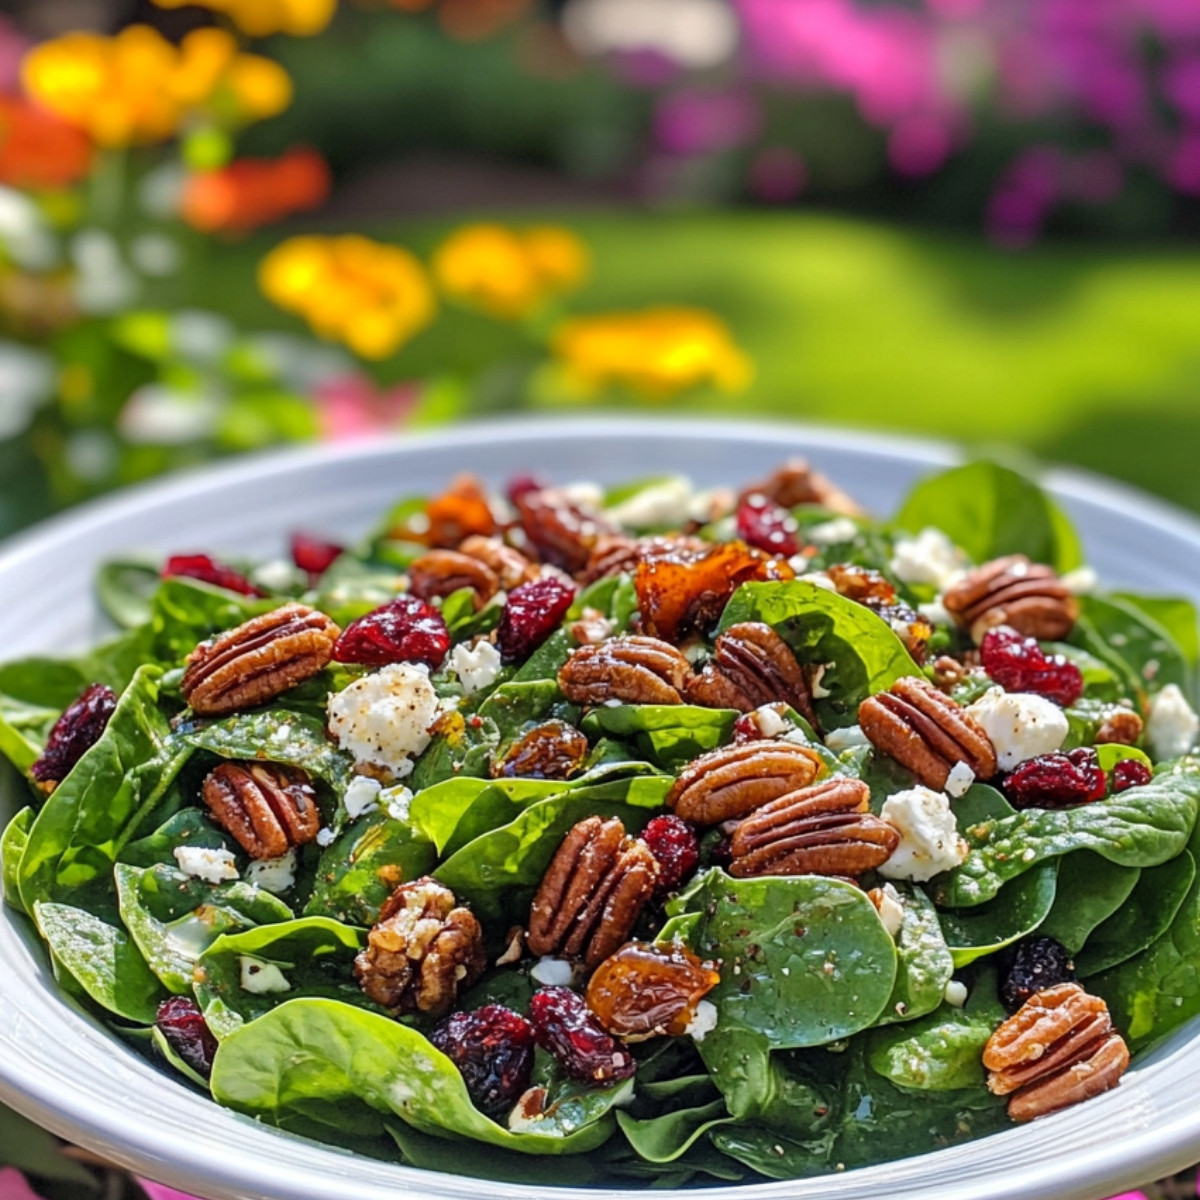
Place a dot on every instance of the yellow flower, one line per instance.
(657, 352)
(509, 273)
(261, 18)
(370, 296)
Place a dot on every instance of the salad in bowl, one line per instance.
(644, 835)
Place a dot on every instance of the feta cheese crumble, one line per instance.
(325, 836)
(213, 866)
(931, 558)
(829, 533)
(960, 779)
(667, 503)
(891, 909)
(703, 1022)
(1020, 725)
(553, 972)
(955, 994)
(840, 740)
(362, 796)
(1173, 724)
(261, 978)
(929, 839)
(383, 719)
(273, 875)
(476, 666)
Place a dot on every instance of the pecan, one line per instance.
(458, 513)
(616, 554)
(441, 572)
(1122, 726)
(1027, 596)
(825, 829)
(258, 660)
(926, 731)
(422, 950)
(861, 584)
(552, 750)
(1059, 1047)
(509, 565)
(797, 483)
(733, 780)
(635, 670)
(560, 530)
(948, 673)
(595, 888)
(752, 665)
(266, 806)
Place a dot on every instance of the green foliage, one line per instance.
(669, 735)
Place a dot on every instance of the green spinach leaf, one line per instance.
(125, 588)
(1090, 890)
(924, 964)
(1015, 912)
(12, 847)
(669, 735)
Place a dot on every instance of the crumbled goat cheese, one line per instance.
(703, 1021)
(325, 836)
(955, 994)
(553, 972)
(1019, 724)
(929, 840)
(829, 533)
(278, 575)
(261, 978)
(931, 557)
(395, 801)
(1080, 581)
(666, 504)
(819, 692)
(476, 666)
(1173, 724)
(213, 866)
(891, 910)
(935, 613)
(362, 796)
(817, 578)
(770, 721)
(585, 494)
(840, 740)
(960, 779)
(383, 719)
(273, 874)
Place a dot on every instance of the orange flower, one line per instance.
(252, 192)
(261, 18)
(39, 149)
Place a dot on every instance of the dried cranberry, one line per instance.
(74, 733)
(1019, 664)
(519, 485)
(493, 1049)
(313, 555)
(208, 570)
(403, 630)
(674, 844)
(565, 1027)
(1130, 772)
(1057, 780)
(746, 729)
(764, 525)
(183, 1026)
(1036, 963)
(533, 612)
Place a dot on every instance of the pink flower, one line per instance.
(14, 1186)
(352, 406)
(158, 1191)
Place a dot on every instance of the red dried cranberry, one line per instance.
(493, 1049)
(1130, 772)
(183, 1026)
(565, 1027)
(403, 630)
(1057, 780)
(533, 612)
(745, 729)
(74, 733)
(1019, 664)
(764, 525)
(674, 844)
(519, 485)
(208, 570)
(313, 555)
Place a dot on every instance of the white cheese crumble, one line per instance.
(1173, 724)
(261, 978)
(325, 836)
(476, 666)
(891, 910)
(1019, 724)
(770, 721)
(703, 1022)
(929, 839)
(931, 557)
(383, 719)
(277, 575)
(935, 613)
(586, 494)
(362, 796)
(273, 875)
(955, 994)
(819, 692)
(960, 779)
(396, 802)
(816, 578)
(553, 972)
(1080, 581)
(829, 533)
(213, 866)
(667, 503)
(839, 740)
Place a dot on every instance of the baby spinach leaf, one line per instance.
(860, 652)
(317, 1050)
(519, 703)
(463, 748)
(923, 961)
(1140, 827)
(108, 797)
(125, 588)
(1133, 643)
(1090, 890)
(1175, 614)
(665, 1138)
(315, 955)
(438, 810)
(1086, 717)
(24, 729)
(941, 1052)
(773, 1154)
(990, 510)
(103, 961)
(1111, 753)
(1019, 908)
(1144, 917)
(544, 664)
(168, 1053)
(12, 847)
(669, 735)
(185, 611)
(188, 827)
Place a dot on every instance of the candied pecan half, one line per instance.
(635, 670)
(595, 888)
(861, 584)
(560, 530)
(752, 665)
(926, 731)
(441, 572)
(733, 780)
(616, 554)
(266, 806)
(825, 829)
(508, 564)
(1059, 1048)
(1122, 726)
(1026, 596)
(258, 660)
(552, 750)
(458, 513)
(795, 482)
(422, 950)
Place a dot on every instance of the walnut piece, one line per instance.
(926, 731)
(592, 893)
(635, 670)
(267, 807)
(825, 829)
(258, 660)
(422, 950)
(1026, 596)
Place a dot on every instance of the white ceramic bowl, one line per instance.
(60, 1068)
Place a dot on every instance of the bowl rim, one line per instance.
(198, 1166)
